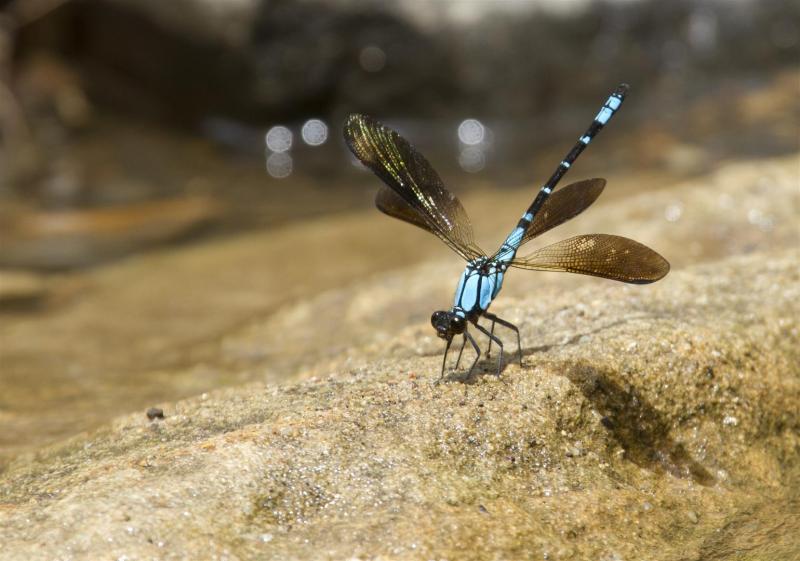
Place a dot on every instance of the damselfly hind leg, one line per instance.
(511, 326)
(499, 344)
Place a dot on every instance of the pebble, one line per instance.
(155, 413)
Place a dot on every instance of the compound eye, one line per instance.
(458, 324)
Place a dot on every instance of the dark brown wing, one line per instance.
(409, 175)
(600, 255)
(564, 204)
(393, 204)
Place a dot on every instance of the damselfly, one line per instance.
(415, 194)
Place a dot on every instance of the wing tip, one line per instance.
(660, 268)
(664, 268)
(355, 121)
(353, 117)
(350, 122)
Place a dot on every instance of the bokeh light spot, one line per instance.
(278, 139)
(314, 132)
(279, 165)
(472, 159)
(471, 132)
(673, 212)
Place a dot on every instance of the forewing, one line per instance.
(564, 204)
(600, 255)
(409, 175)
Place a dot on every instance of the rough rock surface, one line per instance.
(646, 422)
(653, 421)
(180, 322)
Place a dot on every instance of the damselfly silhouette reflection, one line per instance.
(415, 194)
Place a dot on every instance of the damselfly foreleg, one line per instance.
(460, 352)
(465, 337)
(477, 352)
(444, 359)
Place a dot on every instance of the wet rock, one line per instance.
(364, 462)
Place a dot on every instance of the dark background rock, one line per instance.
(263, 61)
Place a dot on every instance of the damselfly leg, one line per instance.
(507, 324)
(460, 352)
(492, 339)
(489, 349)
(477, 352)
(444, 358)
(466, 337)
(496, 340)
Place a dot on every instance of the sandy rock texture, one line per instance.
(645, 422)
(182, 321)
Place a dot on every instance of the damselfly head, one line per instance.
(448, 324)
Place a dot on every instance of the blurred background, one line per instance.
(136, 133)
(128, 123)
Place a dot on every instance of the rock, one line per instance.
(364, 462)
(224, 316)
